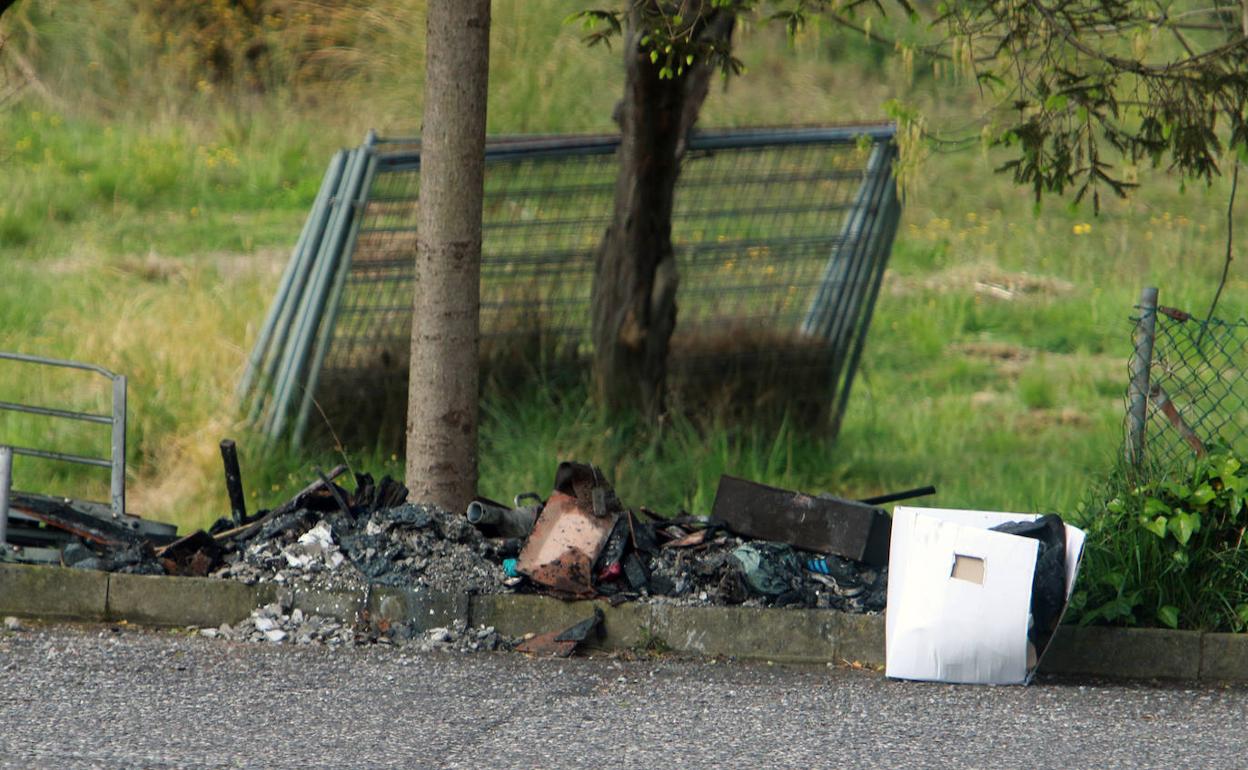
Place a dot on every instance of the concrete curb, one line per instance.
(781, 635)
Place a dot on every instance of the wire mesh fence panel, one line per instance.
(780, 235)
(1197, 391)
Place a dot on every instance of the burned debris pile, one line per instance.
(762, 546)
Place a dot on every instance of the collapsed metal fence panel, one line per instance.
(1188, 394)
(781, 235)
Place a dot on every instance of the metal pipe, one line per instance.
(1141, 365)
(849, 304)
(260, 351)
(889, 218)
(313, 300)
(57, 362)
(893, 497)
(326, 332)
(98, 462)
(502, 522)
(117, 484)
(6, 483)
(49, 412)
(233, 481)
(607, 144)
(304, 263)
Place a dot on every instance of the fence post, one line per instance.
(1141, 364)
(6, 483)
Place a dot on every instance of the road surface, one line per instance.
(104, 697)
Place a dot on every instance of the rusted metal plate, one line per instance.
(563, 546)
(571, 532)
(563, 643)
(823, 524)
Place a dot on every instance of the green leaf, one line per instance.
(1183, 526)
(1056, 102)
(1169, 615)
(1116, 505)
(1241, 612)
(1228, 467)
(1155, 507)
(1180, 491)
(654, 57)
(1157, 526)
(1202, 494)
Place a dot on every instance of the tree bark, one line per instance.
(635, 277)
(442, 390)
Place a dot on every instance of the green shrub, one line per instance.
(1170, 552)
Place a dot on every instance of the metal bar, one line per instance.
(310, 311)
(820, 304)
(603, 144)
(260, 350)
(1167, 407)
(335, 295)
(56, 362)
(43, 454)
(6, 484)
(883, 249)
(50, 412)
(837, 313)
(304, 262)
(233, 481)
(1141, 363)
(291, 359)
(117, 485)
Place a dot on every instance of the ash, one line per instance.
(409, 546)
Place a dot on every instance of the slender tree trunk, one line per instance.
(635, 278)
(442, 391)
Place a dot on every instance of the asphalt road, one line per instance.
(120, 698)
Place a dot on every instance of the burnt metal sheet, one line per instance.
(563, 643)
(571, 532)
(563, 546)
(823, 524)
(65, 516)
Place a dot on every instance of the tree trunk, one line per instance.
(442, 391)
(635, 277)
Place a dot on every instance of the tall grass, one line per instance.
(143, 226)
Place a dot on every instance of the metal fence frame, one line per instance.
(1182, 399)
(116, 462)
(278, 387)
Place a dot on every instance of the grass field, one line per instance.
(147, 235)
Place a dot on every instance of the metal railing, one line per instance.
(116, 461)
(781, 238)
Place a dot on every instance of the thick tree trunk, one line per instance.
(635, 278)
(442, 392)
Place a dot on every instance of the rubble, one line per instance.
(580, 542)
(277, 624)
(408, 546)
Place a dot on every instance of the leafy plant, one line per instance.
(1171, 552)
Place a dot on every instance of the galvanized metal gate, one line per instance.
(782, 237)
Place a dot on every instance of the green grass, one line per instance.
(147, 234)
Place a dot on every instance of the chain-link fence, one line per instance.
(781, 239)
(1189, 387)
